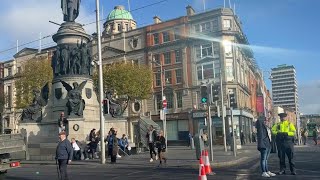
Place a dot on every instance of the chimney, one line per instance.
(156, 20)
(190, 10)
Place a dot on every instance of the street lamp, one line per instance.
(162, 99)
(103, 158)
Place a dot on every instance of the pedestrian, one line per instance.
(242, 137)
(304, 135)
(76, 145)
(315, 136)
(93, 143)
(161, 146)
(285, 132)
(264, 145)
(112, 145)
(64, 155)
(151, 136)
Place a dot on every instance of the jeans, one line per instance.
(151, 148)
(264, 159)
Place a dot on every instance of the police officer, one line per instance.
(285, 132)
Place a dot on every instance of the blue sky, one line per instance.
(281, 31)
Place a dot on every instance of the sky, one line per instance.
(280, 32)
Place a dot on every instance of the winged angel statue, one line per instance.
(34, 111)
(75, 102)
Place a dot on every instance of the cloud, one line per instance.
(24, 20)
(309, 98)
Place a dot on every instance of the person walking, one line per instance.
(304, 136)
(161, 146)
(285, 132)
(151, 136)
(315, 135)
(112, 145)
(64, 155)
(264, 145)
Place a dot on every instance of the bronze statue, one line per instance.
(75, 102)
(34, 111)
(70, 9)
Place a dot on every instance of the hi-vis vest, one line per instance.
(284, 127)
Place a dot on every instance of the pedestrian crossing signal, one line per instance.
(204, 94)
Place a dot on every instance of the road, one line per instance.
(307, 162)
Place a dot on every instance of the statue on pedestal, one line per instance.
(70, 9)
(34, 111)
(75, 102)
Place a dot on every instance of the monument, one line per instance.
(71, 92)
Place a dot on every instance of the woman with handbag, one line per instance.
(161, 146)
(264, 145)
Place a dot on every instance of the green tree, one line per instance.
(34, 75)
(127, 79)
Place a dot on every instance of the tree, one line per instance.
(127, 79)
(34, 75)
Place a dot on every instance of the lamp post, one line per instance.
(162, 100)
(103, 158)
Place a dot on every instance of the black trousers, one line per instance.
(285, 148)
(151, 148)
(77, 155)
(63, 163)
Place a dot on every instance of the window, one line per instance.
(169, 98)
(127, 27)
(206, 50)
(159, 102)
(215, 25)
(8, 122)
(179, 99)
(206, 27)
(229, 70)
(166, 37)
(9, 91)
(178, 76)
(205, 71)
(19, 70)
(156, 38)
(156, 58)
(228, 49)
(178, 56)
(10, 71)
(158, 79)
(176, 34)
(198, 52)
(197, 28)
(167, 58)
(119, 27)
(168, 77)
(227, 23)
(217, 69)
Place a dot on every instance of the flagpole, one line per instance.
(204, 5)
(129, 6)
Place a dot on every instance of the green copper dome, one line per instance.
(119, 13)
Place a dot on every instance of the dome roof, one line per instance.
(119, 13)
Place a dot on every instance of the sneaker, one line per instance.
(271, 174)
(265, 174)
(293, 173)
(151, 160)
(282, 172)
(156, 157)
(118, 156)
(86, 159)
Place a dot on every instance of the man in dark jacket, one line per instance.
(64, 154)
(152, 136)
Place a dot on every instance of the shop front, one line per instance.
(178, 127)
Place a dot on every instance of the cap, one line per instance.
(282, 114)
(62, 133)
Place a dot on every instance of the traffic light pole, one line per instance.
(233, 134)
(210, 131)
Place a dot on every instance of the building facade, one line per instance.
(284, 87)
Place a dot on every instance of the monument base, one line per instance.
(42, 138)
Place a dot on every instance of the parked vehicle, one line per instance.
(10, 145)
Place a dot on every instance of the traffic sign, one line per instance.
(164, 103)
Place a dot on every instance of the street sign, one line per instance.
(164, 103)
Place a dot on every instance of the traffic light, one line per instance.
(215, 93)
(204, 94)
(232, 100)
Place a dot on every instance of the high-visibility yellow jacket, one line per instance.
(284, 127)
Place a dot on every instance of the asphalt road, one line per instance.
(307, 162)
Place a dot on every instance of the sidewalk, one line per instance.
(179, 157)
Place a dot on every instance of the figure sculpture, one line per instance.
(75, 103)
(70, 9)
(34, 111)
